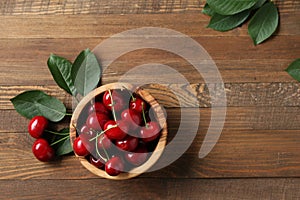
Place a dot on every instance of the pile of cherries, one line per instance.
(117, 131)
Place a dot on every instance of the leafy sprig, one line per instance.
(78, 78)
(229, 14)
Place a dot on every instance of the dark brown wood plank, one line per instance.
(245, 118)
(248, 189)
(232, 71)
(192, 24)
(20, 57)
(84, 189)
(237, 94)
(238, 153)
(71, 7)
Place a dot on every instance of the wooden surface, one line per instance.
(258, 153)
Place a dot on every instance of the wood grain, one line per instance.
(237, 94)
(247, 189)
(191, 24)
(260, 138)
(234, 67)
(247, 118)
(239, 153)
(73, 7)
(245, 149)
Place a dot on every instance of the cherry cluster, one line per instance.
(40, 148)
(117, 131)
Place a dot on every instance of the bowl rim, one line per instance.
(156, 154)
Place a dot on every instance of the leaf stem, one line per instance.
(69, 114)
(58, 141)
(56, 133)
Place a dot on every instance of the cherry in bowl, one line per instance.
(116, 136)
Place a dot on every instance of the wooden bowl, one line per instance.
(160, 117)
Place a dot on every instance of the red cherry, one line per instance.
(79, 147)
(84, 129)
(99, 108)
(96, 121)
(99, 163)
(128, 144)
(114, 166)
(124, 126)
(86, 137)
(138, 157)
(42, 150)
(132, 117)
(37, 126)
(138, 105)
(104, 142)
(113, 133)
(150, 132)
(119, 102)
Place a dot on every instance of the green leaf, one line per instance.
(86, 72)
(60, 69)
(78, 62)
(258, 4)
(294, 69)
(64, 146)
(264, 23)
(207, 10)
(227, 22)
(230, 7)
(33, 103)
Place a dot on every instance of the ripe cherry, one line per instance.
(42, 150)
(150, 132)
(137, 104)
(124, 126)
(84, 129)
(99, 108)
(114, 132)
(138, 157)
(37, 126)
(96, 121)
(128, 144)
(79, 148)
(118, 100)
(114, 166)
(132, 118)
(97, 162)
(104, 142)
(86, 137)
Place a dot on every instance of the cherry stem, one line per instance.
(97, 150)
(69, 114)
(56, 133)
(58, 141)
(144, 116)
(98, 134)
(112, 106)
(105, 152)
(132, 97)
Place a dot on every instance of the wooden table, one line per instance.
(258, 153)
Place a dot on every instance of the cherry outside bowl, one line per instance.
(160, 117)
